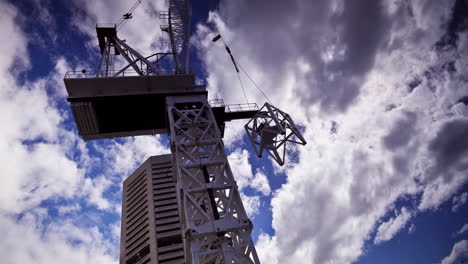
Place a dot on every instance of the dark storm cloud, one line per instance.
(361, 27)
(458, 22)
(401, 133)
(449, 146)
(351, 35)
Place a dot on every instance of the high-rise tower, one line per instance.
(151, 230)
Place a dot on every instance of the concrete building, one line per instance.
(151, 224)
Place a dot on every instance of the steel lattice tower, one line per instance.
(184, 207)
(217, 226)
(145, 97)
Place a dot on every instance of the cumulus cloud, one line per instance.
(42, 161)
(27, 242)
(251, 204)
(95, 187)
(394, 97)
(463, 229)
(123, 156)
(142, 32)
(387, 230)
(66, 209)
(260, 183)
(242, 171)
(449, 170)
(34, 149)
(396, 102)
(460, 249)
(450, 145)
(458, 201)
(241, 167)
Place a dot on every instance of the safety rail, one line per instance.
(241, 107)
(233, 107)
(111, 73)
(216, 102)
(102, 25)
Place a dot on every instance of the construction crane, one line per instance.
(145, 97)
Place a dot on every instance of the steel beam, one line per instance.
(138, 55)
(216, 226)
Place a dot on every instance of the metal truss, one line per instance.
(106, 64)
(216, 226)
(272, 129)
(141, 65)
(177, 24)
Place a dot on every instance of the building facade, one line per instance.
(151, 230)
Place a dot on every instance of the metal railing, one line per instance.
(233, 107)
(129, 72)
(106, 25)
(241, 107)
(216, 102)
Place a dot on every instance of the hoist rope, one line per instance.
(250, 78)
(236, 63)
(242, 86)
(125, 17)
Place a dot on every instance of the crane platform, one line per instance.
(112, 107)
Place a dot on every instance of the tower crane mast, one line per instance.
(143, 97)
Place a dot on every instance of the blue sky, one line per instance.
(380, 88)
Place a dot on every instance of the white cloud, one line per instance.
(458, 201)
(115, 228)
(460, 249)
(241, 167)
(34, 149)
(67, 209)
(267, 249)
(14, 51)
(125, 155)
(260, 183)
(95, 188)
(322, 67)
(25, 242)
(251, 204)
(39, 163)
(142, 32)
(411, 229)
(242, 171)
(463, 229)
(233, 133)
(387, 230)
(386, 88)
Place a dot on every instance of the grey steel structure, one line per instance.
(206, 223)
(188, 211)
(272, 129)
(186, 208)
(151, 230)
(218, 229)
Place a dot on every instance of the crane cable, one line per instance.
(242, 86)
(125, 17)
(236, 63)
(255, 84)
